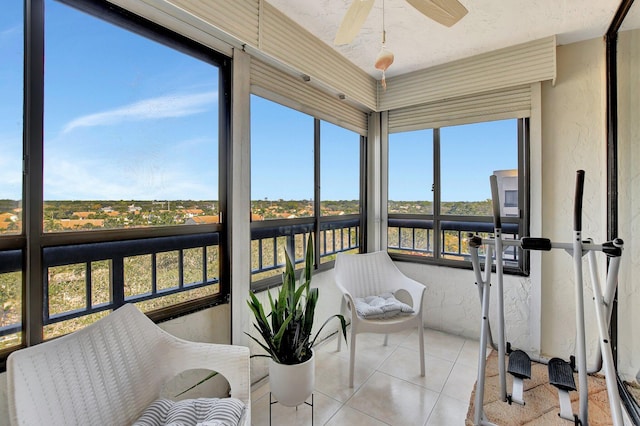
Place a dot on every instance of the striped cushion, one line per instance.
(193, 412)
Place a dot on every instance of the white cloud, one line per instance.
(148, 109)
(134, 177)
(10, 32)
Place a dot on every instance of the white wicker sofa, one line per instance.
(110, 371)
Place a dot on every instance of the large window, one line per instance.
(469, 154)
(131, 141)
(339, 191)
(129, 137)
(11, 119)
(123, 131)
(281, 161)
(339, 170)
(439, 189)
(305, 180)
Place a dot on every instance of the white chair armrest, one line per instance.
(231, 361)
(350, 302)
(416, 290)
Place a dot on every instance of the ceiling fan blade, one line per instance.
(445, 12)
(352, 21)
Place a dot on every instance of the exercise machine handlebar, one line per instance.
(532, 243)
(577, 211)
(611, 248)
(474, 240)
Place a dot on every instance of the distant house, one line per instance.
(134, 209)
(508, 192)
(200, 220)
(8, 219)
(109, 211)
(192, 212)
(81, 223)
(83, 215)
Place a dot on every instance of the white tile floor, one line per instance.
(388, 389)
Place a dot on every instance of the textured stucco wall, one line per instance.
(629, 201)
(452, 303)
(573, 132)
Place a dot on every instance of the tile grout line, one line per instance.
(376, 369)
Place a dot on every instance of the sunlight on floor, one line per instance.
(387, 388)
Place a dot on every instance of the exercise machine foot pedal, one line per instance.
(520, 368)
(519, 364)
(561, 376)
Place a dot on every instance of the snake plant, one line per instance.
(286, 331)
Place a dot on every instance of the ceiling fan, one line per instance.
(445, 12)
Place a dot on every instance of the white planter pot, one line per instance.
(291, 385)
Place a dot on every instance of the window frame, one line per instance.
(32, 242)
(437, 223)
(316, 224)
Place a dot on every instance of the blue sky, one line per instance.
(11, 100)
(127, 118)
(282, 155)
(469, 155)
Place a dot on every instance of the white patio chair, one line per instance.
(372, 274)
(108, 373)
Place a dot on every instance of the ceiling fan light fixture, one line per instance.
(383, 62)
(385, 57)
(445, 12)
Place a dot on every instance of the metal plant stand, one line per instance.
(271, 402)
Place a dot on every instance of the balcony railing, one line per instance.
(130, 271)
(271, 238)
(10, 262)
(338, 235)
(414, 236)
(82, 282)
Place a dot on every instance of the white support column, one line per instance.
(535, 217)
(374, 180)
(239, 214)
(383, 178)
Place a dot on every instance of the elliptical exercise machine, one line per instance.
(560, 371)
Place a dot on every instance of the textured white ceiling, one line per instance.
(632, 20)
(418, 42)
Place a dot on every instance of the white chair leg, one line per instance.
(352, 359)
(343, 308)
(421, 342)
